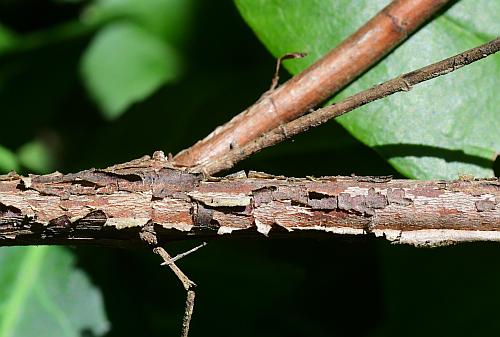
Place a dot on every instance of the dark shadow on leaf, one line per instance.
(418, 150)
(496, 166)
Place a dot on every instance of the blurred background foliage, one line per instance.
(92, 83)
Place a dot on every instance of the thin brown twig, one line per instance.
(320, 116)
(181, 255)
(321, 80)
(188, 313)
(186, 282)
(279, 62)
(188, 285)
(149, 236)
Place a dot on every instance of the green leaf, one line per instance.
(42, 294)
(170, 19)
(8, 160)
(124, 64)
(442, 128)
(7, 38)
(37, 157)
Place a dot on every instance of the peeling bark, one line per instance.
(114, 206)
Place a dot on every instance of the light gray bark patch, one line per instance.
(397, 196)
(297, 195)
(263, 195)
(376, 200)
(365, 205)
(485, 205)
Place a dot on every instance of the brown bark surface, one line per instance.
(318, 82)
(114, 206)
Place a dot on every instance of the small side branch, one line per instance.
(401, 83)
(188, 285)
(340, 66)
(181, 255)
(188, 313)
(186, 282)
(148, 235)
(276, 76)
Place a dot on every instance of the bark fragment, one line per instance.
(485, 205)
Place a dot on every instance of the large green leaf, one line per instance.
(440, 129)
(126, 63)
(42, 294)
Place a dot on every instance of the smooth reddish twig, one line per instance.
(318, 82)
(320, 116)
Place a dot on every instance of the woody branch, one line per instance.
(112, 206)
